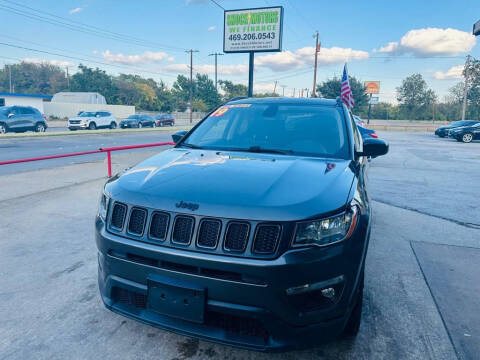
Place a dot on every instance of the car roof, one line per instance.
(285, 101)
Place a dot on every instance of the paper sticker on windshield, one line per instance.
(223, 109)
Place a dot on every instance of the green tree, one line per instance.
(473, 95)
(33, 78)
(94, 80)
(415, 98)
(206, 92)
(232, 90)
(331, 89)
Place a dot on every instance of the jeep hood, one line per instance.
(236, 184)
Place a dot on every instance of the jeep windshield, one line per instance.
(297, 129)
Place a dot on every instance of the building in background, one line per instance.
(15, 99)
(79, 98)
(69, 104)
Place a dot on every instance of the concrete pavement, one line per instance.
(51, 308)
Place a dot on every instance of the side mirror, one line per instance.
(374, 147)
(11, 115)
(178, 136)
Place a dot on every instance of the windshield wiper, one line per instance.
(259, 149)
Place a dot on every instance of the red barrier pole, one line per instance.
(49, 157)
(109, 160)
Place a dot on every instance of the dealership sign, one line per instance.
(253, 30)
(372, 87)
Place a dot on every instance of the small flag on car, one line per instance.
(346, 92)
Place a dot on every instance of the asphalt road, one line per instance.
(20, 148)
(421, 290)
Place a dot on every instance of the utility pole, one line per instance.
(302, 92)
(10, 77)
(68, 79)
(215, 54)
(465, 90)
(293, 92)
(306, 89)
(191, 51)
(275, 87)
(283, 89)
(317, 50)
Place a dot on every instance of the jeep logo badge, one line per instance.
(185, 205)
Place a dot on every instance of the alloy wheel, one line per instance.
(467, 138)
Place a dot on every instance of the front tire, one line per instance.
(353, 323)
(113, 125)
(467, 138)
(3, 129)
(40, 128)
(92, 126)
(140, 125)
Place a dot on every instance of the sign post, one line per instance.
(250, 31)
(371, 87)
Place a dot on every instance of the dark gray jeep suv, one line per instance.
(252, 231)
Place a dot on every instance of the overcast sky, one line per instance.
(380, 40)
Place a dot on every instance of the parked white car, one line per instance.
(92, 120)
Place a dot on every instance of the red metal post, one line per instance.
(109, 160)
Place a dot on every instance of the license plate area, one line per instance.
(177, 299)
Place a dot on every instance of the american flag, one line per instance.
(346, 92)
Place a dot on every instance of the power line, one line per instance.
(216, 3)
(81, 27)
(77, 58)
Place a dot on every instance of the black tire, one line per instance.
(140, 125)
(40, 127)
(113, 125)
(467, 138)
(92, 126)
(3, 129)
(353, 323)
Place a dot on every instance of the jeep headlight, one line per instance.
(326, 231)
(103, 206)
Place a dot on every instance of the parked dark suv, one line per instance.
(21, 119)
(252, 231)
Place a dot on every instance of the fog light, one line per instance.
(323, 285)
(328, 293)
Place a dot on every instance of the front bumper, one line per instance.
(254, 312)
(77, 126)
(128, 125)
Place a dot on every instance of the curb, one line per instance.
(89, 132)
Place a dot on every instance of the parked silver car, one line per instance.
(21, 119)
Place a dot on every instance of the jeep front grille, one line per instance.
(266, 239)
(136, 224)
(159, 225)
(183, 229)
(118, 215)
(209, 233)
(221, 236)
(237, 236)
